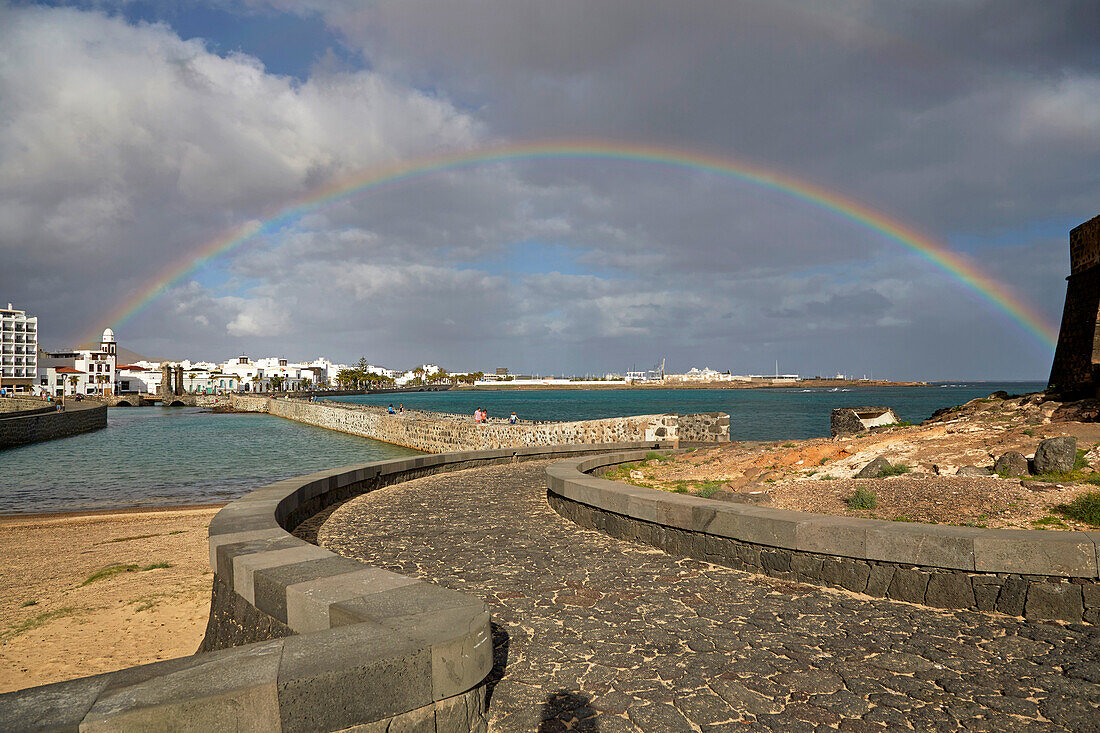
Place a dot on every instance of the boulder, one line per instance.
(973, 471)
(846, 421)
(874, 468)
(1011, 464)
(1056, 455)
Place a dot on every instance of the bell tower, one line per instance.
(107, 344)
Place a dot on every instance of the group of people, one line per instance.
(480, 415)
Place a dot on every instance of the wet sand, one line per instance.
(56, 624)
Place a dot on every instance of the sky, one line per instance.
(134, 135)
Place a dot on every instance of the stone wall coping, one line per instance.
(369, 644)
(1025, 552)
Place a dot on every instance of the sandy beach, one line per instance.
(94, 592)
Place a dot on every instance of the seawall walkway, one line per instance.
(600, 634)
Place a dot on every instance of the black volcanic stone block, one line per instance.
(949, 590)
(908, 585)
(846, 574)
(878, 580)
(1011, 598)
(1060, 601)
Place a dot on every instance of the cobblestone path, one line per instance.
(597, 634)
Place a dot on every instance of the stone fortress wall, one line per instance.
(1076, 368)
(36, 421)
(1036, 574)
(436, 432)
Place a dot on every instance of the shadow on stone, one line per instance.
(501, 641)
(565, 710)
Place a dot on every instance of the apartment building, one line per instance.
(18, 350)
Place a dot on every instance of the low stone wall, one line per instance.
(35, 426)
(300, 639)
(1031, 573)
(21, 404)
(439, 432)
(704, 427)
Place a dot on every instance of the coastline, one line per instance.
(88, 513)
(803, 384)
(57, 623)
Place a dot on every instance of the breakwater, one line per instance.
(36, 421)
(435, 432)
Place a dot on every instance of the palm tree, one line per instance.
(256, 381)
(74, 380)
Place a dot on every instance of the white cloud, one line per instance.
(117, 139)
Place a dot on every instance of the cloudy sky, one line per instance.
(135, 134)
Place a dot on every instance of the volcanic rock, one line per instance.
(1011, 464)
(874, 468)
(973, 471)
(1056, 455)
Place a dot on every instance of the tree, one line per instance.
(276, 383)
(256, 382)
(74, 380)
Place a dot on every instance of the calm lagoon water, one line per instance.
(151, 456)
(755, 414)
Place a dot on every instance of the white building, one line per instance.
(706, 374)
(80, 371)
(18, 350)
(143, 377)
(263, 374)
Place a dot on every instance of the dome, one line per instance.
(108, 336)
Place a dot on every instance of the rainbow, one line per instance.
(408, 170)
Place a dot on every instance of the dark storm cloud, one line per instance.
(954, 114)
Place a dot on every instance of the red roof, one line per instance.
(132, 367)
(68, 370)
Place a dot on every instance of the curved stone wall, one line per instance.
(9, 405)
(300, 639)
(1031, 573)
(439, 432)
(39, 424)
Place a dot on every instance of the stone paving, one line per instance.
(597, 634)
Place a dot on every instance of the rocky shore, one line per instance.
(999, 461)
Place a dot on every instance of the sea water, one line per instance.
(755, 414)
(154, 456)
